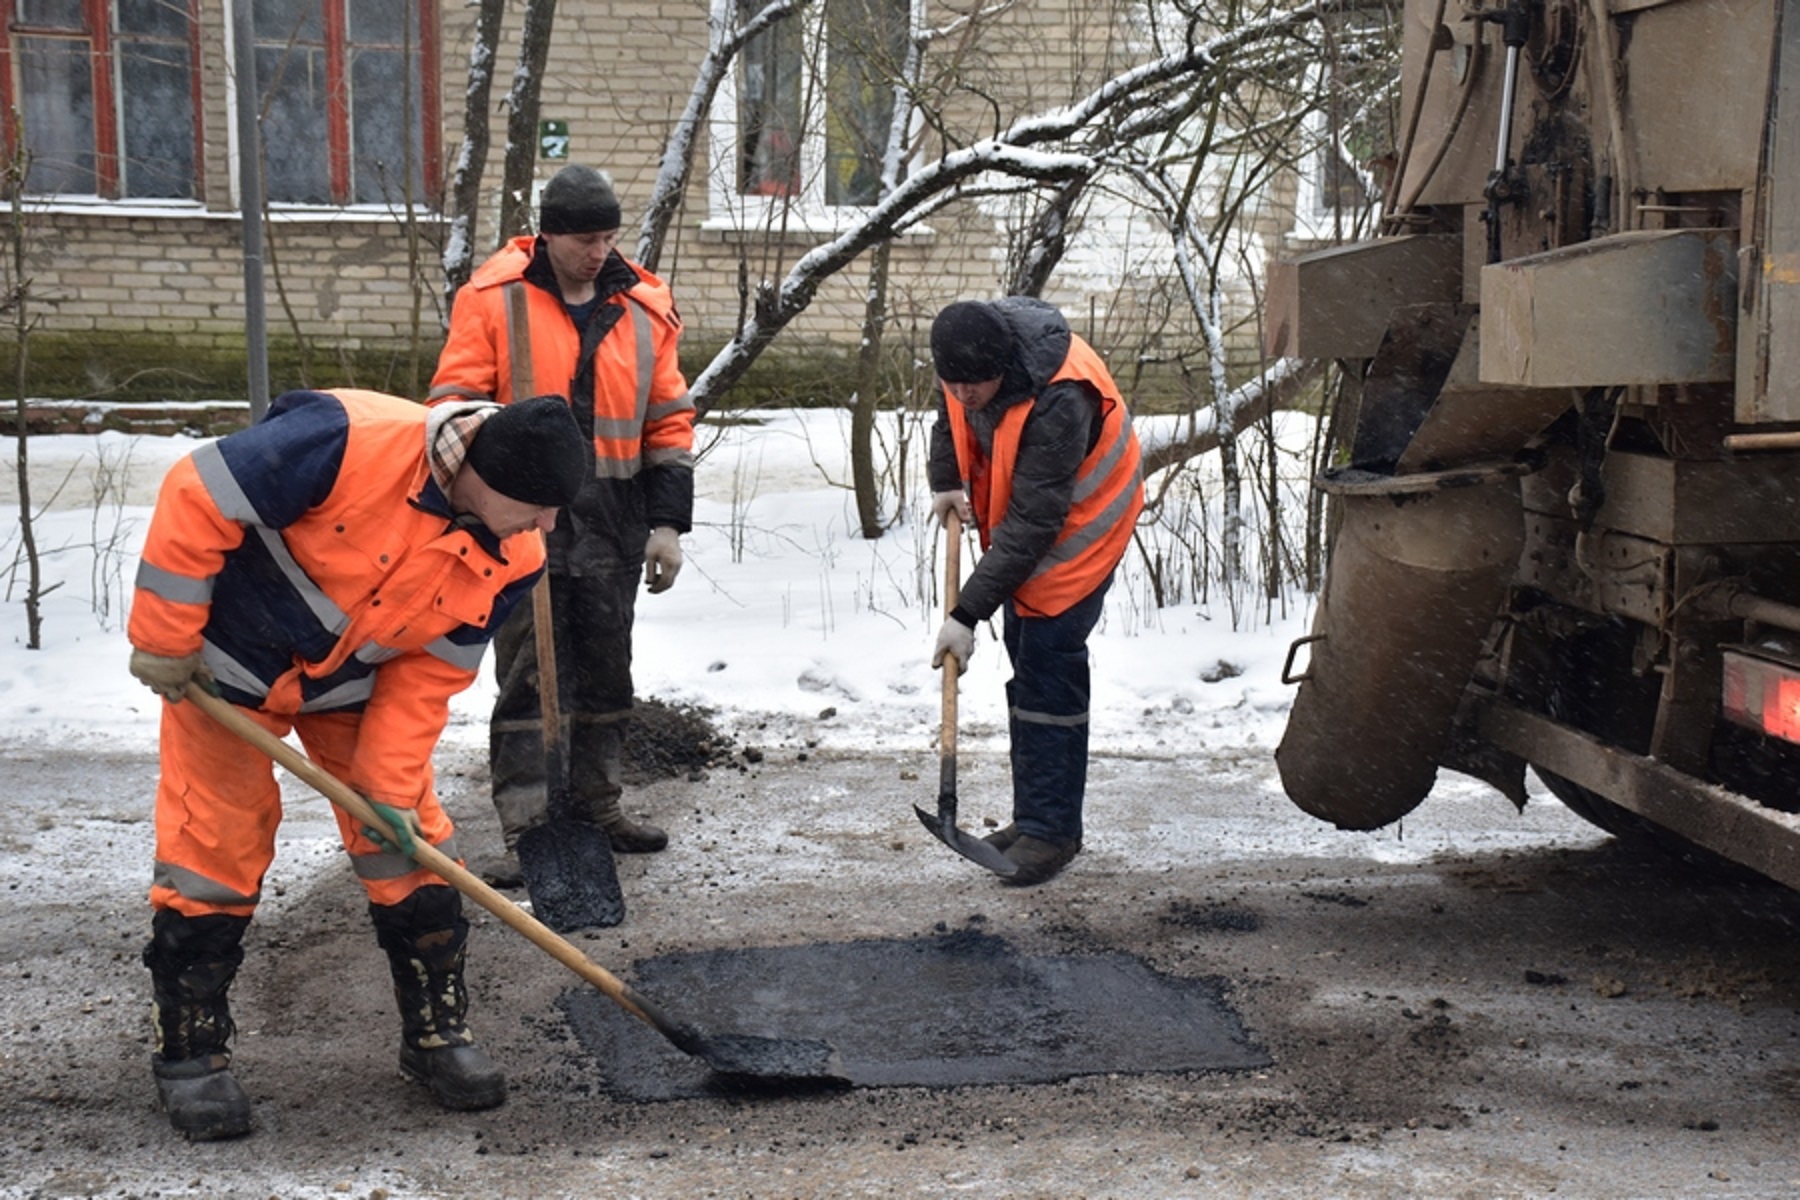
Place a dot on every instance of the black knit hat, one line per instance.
(970, 343)
(578, 200)
(532, 451)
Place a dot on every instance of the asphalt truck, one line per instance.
(1566, 513)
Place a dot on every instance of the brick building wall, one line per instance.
(121, 287)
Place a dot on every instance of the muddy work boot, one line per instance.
(599, 756)
(424, 937)
(1003, 838)
(192, 962)
(501, 870)
(1038, 859)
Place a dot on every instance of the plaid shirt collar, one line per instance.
(448, 431)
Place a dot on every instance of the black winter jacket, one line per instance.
(1058, 435)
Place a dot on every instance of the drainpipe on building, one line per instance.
(250, 203)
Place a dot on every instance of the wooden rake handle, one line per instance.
(425, 854)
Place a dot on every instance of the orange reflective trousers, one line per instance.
(218, 805)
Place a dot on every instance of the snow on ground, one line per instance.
(782, 609)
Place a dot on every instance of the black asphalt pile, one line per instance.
(947, 1011)
(671, 741)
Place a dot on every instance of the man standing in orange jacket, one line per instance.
(336, 569)
(565, 311)
(1033, 444)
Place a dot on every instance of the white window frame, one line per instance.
(807, 212)
(1316, 218)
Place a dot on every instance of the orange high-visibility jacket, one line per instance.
(316, 562)
(642, 414)
(1109, 490)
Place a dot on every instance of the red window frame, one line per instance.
(336, 30)
(98, 34)
(96, 16)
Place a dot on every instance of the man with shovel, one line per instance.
(1033, 444)
(337, 570)
(565, 309)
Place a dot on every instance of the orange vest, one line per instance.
(1109, 489)
(642, 414)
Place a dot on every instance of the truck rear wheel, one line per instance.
(1596, 691)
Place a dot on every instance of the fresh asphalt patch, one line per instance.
(946, 1011)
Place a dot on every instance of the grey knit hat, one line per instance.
(578, 200)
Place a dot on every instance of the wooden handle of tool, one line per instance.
(426, 855)
(1762, 441)
(543, 636)
(952, 584)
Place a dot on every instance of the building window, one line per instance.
(805, 122)
(105, 92)
(1344, 136)
(865, 49)
(349, 93)
(769, 113)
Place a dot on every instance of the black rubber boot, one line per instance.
(598, 756)
(1039, 859)
(424, 937)
(192, 962)
(1003, 838)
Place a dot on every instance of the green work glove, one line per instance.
(404, 833)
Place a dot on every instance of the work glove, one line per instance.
(168, 677)
(403, 832)
(956, 640)
(662, 559)
(945, 503)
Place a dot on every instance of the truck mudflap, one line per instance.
(1419, 570)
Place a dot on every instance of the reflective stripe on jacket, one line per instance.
(319, 567)
(642, 414)
(1109, 491)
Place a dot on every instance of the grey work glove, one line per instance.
(168, 677)
(662, 559)
(956, 640)
(945, 503)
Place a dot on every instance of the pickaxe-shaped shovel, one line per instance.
(943, 822)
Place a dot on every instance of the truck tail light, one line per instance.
(1763, 695)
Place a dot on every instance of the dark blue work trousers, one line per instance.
(1047, 715)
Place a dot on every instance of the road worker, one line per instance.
(1033, 444)
(336, 569)
(563, 310)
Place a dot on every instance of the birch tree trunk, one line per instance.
(471, 159)
(520, 160)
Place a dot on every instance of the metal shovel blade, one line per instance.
(747, 1061)
(742, 1060)
(943, 826)
(570, 875)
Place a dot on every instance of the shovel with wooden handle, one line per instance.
(746, 1057)
(568, 865)
(942, 823)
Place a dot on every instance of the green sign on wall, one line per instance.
(553, 139)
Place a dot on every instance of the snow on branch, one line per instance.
(1069, 143)
(724, 42)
